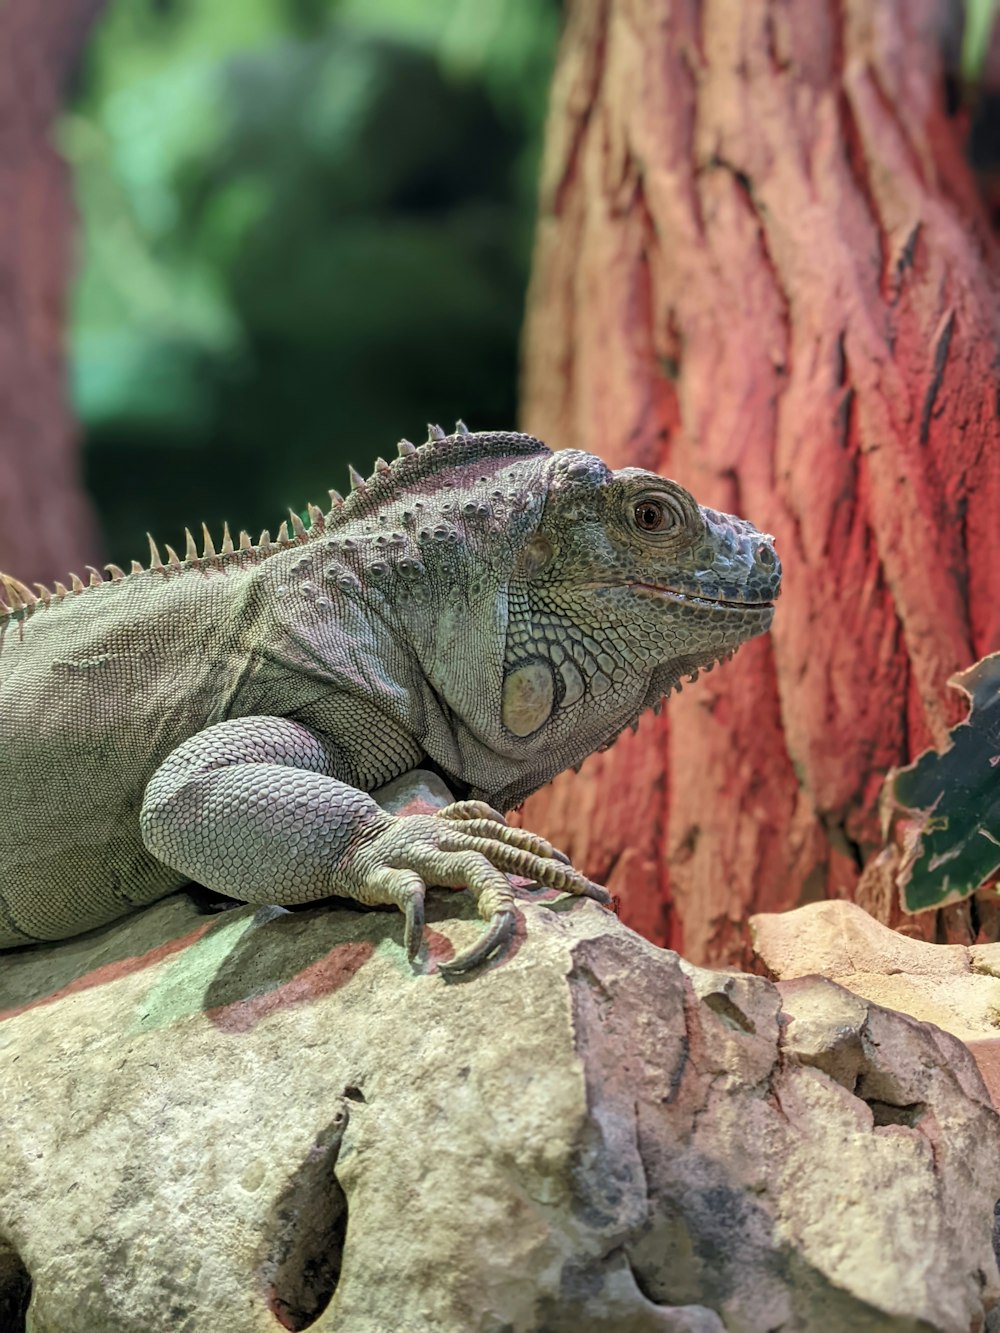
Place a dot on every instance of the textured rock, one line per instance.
(955, 986)
(587, 1134)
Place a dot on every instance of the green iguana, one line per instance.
(480, 606)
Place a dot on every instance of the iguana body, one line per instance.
(481, 604)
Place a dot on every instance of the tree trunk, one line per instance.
(46, 524)
(762, 268)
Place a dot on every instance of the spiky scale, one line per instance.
(358, 482)
(227, 540)
(264, 540)
(208, 546)
(434, 433)
(282, 537)
(245, 543)
(406, 447)
(60, 590)
(461, 428)
(317, 518)
(44, 594)
(381, 465)
(190, 550)
(298, 527)
(116, 572)
(336, 499)
(173, 559)
(155, 559)
(136, 568)
(76, 582)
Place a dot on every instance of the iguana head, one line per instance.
(626, 585)
(550, 600)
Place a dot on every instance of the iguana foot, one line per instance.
(464, 845)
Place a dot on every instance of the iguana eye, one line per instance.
(653, 516)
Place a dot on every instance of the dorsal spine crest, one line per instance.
(413, 465)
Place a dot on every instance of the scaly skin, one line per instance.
(481, 606)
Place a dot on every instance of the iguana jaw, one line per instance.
(674, 595)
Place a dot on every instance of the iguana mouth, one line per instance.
(695, 600)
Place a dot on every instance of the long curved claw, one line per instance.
(596, 891)
(413, 931)
(499, 932)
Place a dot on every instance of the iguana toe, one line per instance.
(505, 849)
(522, 838)
(407, 890)
(471, 810)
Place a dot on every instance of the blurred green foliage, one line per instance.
(977, 33)
(306, 227)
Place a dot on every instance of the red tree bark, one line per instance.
(762, 267)
(46, 524)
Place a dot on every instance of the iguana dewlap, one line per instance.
(481, 605)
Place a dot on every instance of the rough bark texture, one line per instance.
(46, 524)
(762, 268)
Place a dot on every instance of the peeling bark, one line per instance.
(762, 267)
(46, 524)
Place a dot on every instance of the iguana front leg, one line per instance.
(252, 808)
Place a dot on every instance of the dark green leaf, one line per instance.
(948, 805)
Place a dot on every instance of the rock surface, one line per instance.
(953, 985)
(267, 1119)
